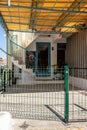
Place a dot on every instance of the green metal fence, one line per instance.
(78, 94)
(63, 95)
(66, 76)
(1, 79)
(36, 97)
(5, 79)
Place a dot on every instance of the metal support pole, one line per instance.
(4, 87)
(66, 71)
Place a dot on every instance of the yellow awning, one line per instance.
(44, 15)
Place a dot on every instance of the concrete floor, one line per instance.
(35, 109)
(22, 124)
(42, 106)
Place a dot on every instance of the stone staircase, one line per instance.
(26, 75)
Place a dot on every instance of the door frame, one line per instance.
(39, 74)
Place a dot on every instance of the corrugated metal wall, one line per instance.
(76, 50)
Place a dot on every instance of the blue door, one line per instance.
(43, 62)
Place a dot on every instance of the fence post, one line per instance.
(66, 73)
(9, 72)
(4, 81)
(1, 78)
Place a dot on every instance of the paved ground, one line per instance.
(44, 102)
(18, 124)
(44, 105)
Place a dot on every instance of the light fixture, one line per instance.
(8, 2)
(59, 36)
(52, 48)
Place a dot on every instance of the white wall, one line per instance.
(32, 47)
(78, 82)
(54, 54)
(27, 77)
(76, 50)
(24, 39)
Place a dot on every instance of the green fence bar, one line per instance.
(4, 81)
(66, 71)
(9, 72)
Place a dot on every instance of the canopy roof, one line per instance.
(44, 15)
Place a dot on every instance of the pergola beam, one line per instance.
(42, 32)
(2, 22)
(5, 52)
(33, 21)
(82, 20)
(45, 9)
(74, 26)
(74, 6)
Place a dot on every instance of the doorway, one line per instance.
(43, 59)
(61, 54)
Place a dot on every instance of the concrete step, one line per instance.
(17, 75)
(43, 78)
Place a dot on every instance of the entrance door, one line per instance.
(61, 58)
(43, 59)
(61, 54)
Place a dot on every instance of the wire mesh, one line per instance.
(5, 78)
(33, 97)
(78, 94)
(79, 72)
